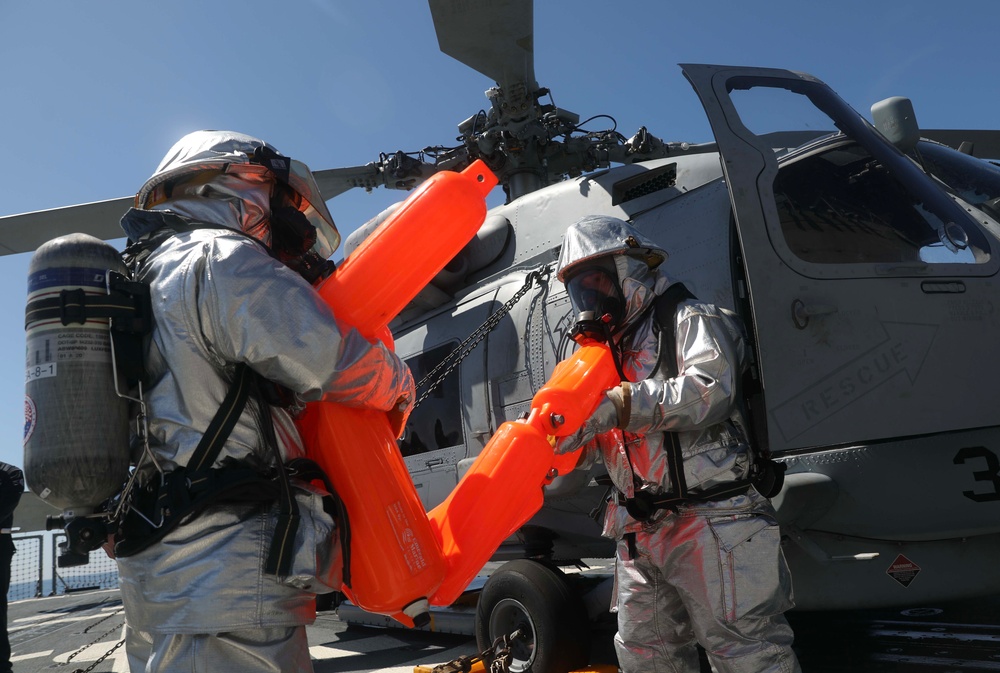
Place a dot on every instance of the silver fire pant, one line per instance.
(717, 578)
(274, 650)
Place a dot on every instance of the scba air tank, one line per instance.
(75, 425)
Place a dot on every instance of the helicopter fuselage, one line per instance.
(871, 318)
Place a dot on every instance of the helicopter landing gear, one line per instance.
(537, 600)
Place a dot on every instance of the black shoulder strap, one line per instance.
(666, 308)
(279, 556)
(215, 436)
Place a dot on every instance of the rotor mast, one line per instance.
(497, 40)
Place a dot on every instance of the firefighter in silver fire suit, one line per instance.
(698, 557)
(230, 234)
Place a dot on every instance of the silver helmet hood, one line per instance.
(237, 154)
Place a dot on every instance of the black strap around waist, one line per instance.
(644, 505)
(158, 508)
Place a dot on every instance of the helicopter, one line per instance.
(861, 258)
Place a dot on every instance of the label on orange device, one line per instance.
(405, 537)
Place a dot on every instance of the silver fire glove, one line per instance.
(613, 412)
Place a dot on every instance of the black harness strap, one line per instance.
(633, 551)
(186, 491)
(279, 557)
(643, 505)
(183, 495)
(307, 470)
(76, 306)
(208, 449)
(665, 308)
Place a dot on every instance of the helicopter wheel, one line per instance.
(527, 595)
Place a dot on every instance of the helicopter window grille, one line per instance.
(643, 184)
(437, 422)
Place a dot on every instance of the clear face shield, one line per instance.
(596, 290)
(312, 205)
(301, 194)
(303, 235)
(597, 298)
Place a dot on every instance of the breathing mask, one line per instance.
(597, 297)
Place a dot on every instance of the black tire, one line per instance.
(537, 599)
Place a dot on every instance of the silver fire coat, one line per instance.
(219, 299)
(713, 571)
(698, 407)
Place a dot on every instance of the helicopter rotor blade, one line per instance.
(24, 232)
(494, 38)
(335, 181)
(27, 231)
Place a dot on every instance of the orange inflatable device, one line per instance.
(395, 562)
(503, 487)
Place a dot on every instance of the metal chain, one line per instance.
(97, 640)
(102, 658)
(500, 656)
(496, 658)
(453, 359)
(102, 620)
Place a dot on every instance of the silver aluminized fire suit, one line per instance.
(710, 572)
(200, 599)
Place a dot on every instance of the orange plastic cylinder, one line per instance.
(503, 487)
(501, 490)
(395, 560)
(575, 389)
(399, 258)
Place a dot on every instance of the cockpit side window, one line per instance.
(850, 204)
(840, 206)
(436, 423)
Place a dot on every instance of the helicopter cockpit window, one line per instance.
(850, 198)
(768, 112)
(840, 206)
(437, 422)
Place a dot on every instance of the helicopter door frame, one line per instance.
(830, 335)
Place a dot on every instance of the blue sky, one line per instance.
(92, 94)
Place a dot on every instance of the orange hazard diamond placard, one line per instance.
(903, 570)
